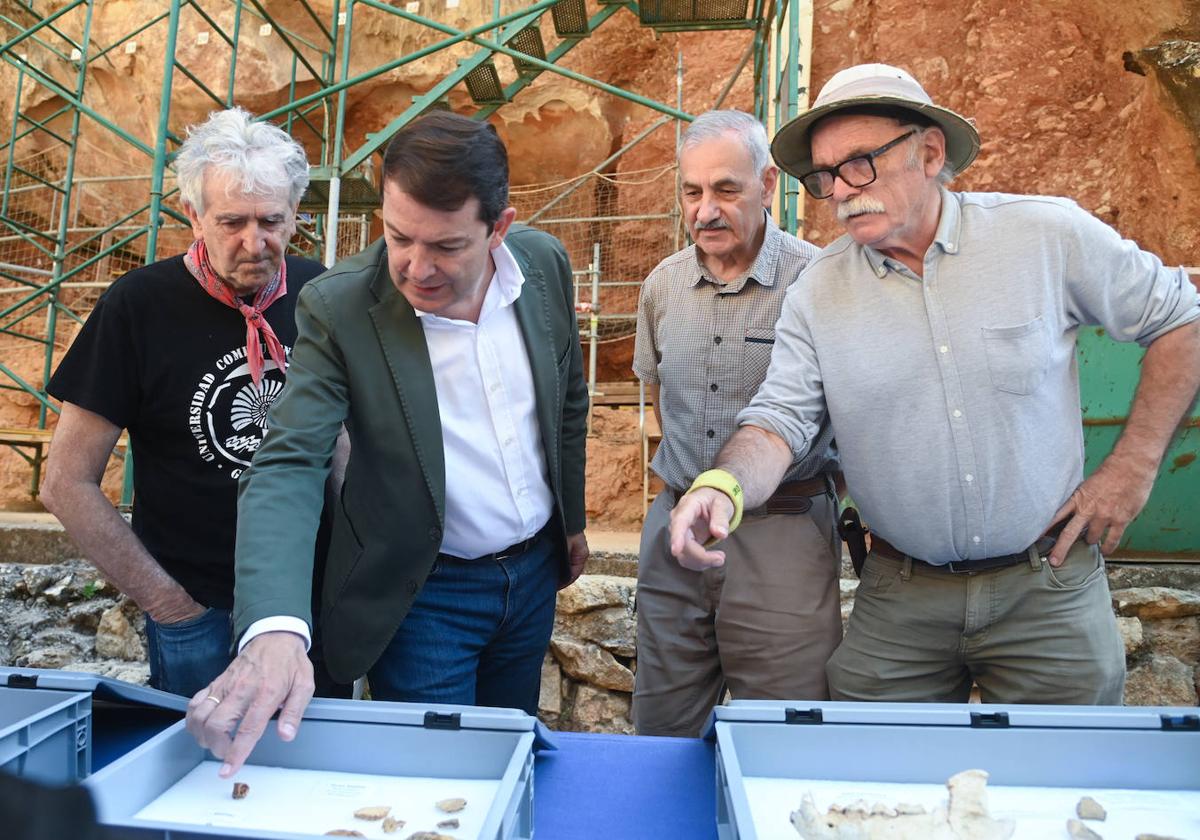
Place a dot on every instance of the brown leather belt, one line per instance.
(1043, 545)
(789, 497)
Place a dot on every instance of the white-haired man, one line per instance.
(938, 336)
(187, 354)
(764, 624)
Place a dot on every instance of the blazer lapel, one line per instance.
(533, 315)
(403, 342)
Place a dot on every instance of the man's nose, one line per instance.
(843, 191)
(420, 264)
(708, 211)
(254, 238)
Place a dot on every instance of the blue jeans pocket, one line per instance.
(186, 656)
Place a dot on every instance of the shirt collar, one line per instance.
(503, 288)
(761, 271)
(948, 235)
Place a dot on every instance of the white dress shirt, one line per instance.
(497, 482)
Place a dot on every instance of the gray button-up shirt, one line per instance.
(708, 345)
(955, 397)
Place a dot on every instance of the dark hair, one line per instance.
(442, 159)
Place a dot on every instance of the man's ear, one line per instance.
(500, 229)
(770, 178)
(194, 218)
(933, 144)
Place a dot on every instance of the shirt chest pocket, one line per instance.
(756, 358)
(1018, 356)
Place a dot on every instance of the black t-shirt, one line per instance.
(161, 358)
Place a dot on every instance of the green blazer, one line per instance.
(360, 358)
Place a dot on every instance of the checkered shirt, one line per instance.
(708, 344)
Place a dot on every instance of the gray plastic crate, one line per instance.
(45, 735)
(394, 739)
(1146, 748)
(47, 719)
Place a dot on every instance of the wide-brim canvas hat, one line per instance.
(872, 85)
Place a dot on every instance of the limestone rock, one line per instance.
(1160, 681)
(116, 637)
(1177, 66)
(1178, 637)
(592, 665)
(550, 694)
(85, 617)
(598, 710)
(56, 656)
(1156, 602)
(1130, 629)
(54, 593)
(612, 628)
(137, 673)
(592, 592)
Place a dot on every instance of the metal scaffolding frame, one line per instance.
(53, 51)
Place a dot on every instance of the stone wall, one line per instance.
(57, 613)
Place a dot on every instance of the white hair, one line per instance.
(946, 175)
(713, 124)
(263, 156)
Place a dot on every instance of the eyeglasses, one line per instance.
(857, 171)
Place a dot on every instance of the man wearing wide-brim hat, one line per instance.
(938, 336)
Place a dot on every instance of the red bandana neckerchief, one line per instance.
(197, 262)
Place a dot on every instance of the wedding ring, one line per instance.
(216, 700)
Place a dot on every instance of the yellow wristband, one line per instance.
(727, 484)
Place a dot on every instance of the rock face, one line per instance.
(64, 615)
(1095, 99)
(592, 652)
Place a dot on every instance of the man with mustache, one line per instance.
(187, 354)
(764, 624)
(938, 336)
(449, 349)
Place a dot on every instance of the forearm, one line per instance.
(109, 543)
(1166, 391)
(758, 459)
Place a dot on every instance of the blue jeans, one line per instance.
(187, 655)
(476, 634)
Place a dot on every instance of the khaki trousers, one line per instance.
(763, 625)
(1027, 633)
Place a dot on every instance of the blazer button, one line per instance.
(435, 535)
(412, 587)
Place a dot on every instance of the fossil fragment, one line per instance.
(240, 789)
(448, 823)
(375, 812)
(344, 832)
(963, 817)
(451, 806)
(391, 825)
(1090, 809)
(429, 835)
(1079, 831)
(1155, 837)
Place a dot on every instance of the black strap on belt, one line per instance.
(851, 529)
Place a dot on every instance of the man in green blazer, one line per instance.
(449, 349)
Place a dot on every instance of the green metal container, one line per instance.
(1169, 526)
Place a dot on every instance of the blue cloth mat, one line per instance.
(622, 786)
